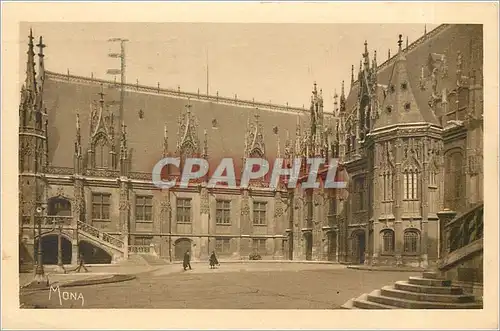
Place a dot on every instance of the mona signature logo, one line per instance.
(65, 295)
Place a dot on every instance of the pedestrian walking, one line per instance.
(81, 264)
(213, 260)
(187, 261)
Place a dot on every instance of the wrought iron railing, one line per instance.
(464, 229)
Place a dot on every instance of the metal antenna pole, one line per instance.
(120, 71)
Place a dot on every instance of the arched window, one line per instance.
(101, 150)
(411, 241)
(388, 241)
(387, 182)
(432, 176)
(59, 206)
(410, 180)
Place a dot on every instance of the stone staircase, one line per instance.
(114, 246)
(426, 292)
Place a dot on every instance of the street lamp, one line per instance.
(291, 191)
(39, 272)
(59, 223)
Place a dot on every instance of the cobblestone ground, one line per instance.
(232, 286)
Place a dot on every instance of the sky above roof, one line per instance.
(275, 63)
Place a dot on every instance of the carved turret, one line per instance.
(101, 152)
(78, 157)
(254, 138)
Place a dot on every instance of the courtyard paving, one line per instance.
(231, 286)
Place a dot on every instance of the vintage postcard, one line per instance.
(238, 171)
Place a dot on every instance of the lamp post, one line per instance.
(291, 191)
(60, 264)
(39, 272)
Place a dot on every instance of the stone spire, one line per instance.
(204, 154)
(352, 75)
(78, 157)
(41, 65)
(335, 103)
(366, 57)
(165, 140)
(30, 83)
(298, 139)
(342, 99)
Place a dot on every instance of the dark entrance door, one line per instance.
(361, 246)
(49, 249)
(309, 245)
(284, 249)
(332, 245)
(181, 247)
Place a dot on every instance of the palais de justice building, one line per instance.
(407, 128)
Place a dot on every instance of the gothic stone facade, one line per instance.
(409, 133)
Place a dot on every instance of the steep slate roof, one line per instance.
(66, 95)
(446, 40)
(399, 106)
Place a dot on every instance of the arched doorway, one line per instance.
(358, 246)
(182, 245)
(49, 249)
(93, 254)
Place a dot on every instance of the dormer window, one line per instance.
(407, 106)
(404, 86)
(389, 109)
(141, 114)
(214, 124)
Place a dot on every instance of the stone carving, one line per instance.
(165, 205)
(245, 207)
(204, 207)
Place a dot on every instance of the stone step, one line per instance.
(390, 291)
(348, 305)
(362, 302)
(431, 275)
(412, 304)
(406, 286)
(153, 260)
(429, 282)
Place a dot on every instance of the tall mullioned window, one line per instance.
(100, 206)
(259, 245)
(223, 212)
(388, 241)
(259, 213)
(387, 182)
(410, 182)
(223, 246)
(183, 210)
(144, 208)
(411, 241)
